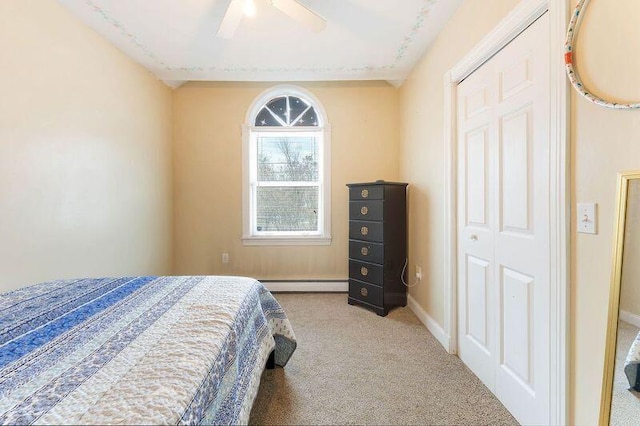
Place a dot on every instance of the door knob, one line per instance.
(473, 237)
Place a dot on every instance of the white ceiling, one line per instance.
(176, 39)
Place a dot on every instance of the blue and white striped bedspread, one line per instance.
(137, 350)
(632, 365)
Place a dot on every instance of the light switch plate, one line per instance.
(587, 218)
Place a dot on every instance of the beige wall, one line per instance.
(630, 283)
(422, 146)
(603, 142)
(85, 145)
(208, 175)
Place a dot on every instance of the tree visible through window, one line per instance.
(286, 169)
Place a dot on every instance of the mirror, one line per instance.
(621, 383)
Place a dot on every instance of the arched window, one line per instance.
(286, 170)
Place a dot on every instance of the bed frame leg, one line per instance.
(271, 362)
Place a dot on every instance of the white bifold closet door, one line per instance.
(503, 224)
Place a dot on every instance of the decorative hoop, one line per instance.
(574, 78)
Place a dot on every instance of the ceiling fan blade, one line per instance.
(231, 19)
(301, 13)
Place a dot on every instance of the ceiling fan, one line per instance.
(293, 8)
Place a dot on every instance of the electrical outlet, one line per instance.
(418, 272)
(225, 257)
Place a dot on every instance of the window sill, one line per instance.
(286, 241)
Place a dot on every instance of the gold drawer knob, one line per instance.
(364, 271)
(364, 193)
(364, 210)
(364, 230)
(364, 251)
(364, 292)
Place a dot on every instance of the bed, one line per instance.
(138, 350)
(632, 365)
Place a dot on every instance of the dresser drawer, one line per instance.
(366, 210)
(366, 231)
(366, 193)
(369, 252)
(364, 271)
(366, 292)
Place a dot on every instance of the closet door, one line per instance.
(476, 223)
(503, 224)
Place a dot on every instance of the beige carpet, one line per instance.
(354, 367)
(625, 402)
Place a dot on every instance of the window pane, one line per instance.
(296, 107)
(310, 118)
(287, 208)
(287, 158)
(290, 110)
(265, 118)
(279, 108)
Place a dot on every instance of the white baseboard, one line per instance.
(630, 318)
(431, 324)
(307, 286)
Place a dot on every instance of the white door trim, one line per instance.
(512, 25)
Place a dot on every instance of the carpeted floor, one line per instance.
(354, 367)
(625, 402)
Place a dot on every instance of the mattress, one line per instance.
(138, 350)
(632, 364)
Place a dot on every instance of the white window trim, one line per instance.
(312, 238)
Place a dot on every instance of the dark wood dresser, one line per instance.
(377, 245)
